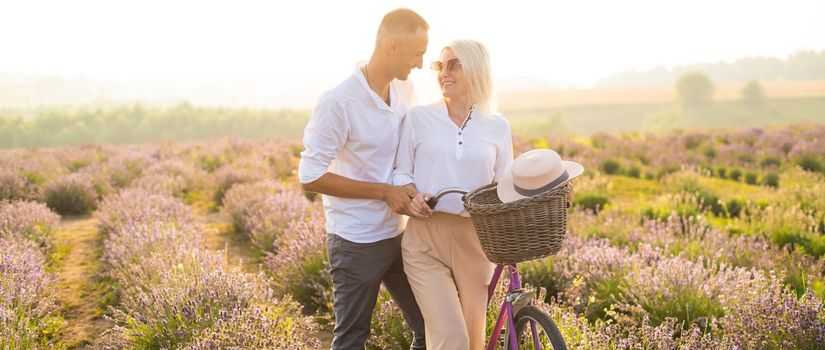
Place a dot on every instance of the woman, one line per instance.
(456, 142)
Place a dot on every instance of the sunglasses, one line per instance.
(450, 65)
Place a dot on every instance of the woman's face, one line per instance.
(451, 77)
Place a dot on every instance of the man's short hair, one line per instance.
(402, 21)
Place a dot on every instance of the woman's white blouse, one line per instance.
(434, 153)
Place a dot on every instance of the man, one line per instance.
(350, 145)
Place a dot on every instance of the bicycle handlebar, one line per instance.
(434, 199)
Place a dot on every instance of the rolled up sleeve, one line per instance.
(325, 135)
(402, 173)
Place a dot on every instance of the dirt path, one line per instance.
(79, 244)
(219, 235)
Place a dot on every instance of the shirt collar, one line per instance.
(379, 103)
(442, 109)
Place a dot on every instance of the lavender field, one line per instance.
(704, 239)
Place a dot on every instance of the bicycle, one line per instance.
(522, 323)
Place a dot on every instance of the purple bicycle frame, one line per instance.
(507, 312)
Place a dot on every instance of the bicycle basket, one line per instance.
(521, 230)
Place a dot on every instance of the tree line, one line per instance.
(802, 65)
(132, 124)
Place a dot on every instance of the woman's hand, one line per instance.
(419, 206)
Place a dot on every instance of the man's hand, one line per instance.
(410, 189)
(398, 199)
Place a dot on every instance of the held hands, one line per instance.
(406, 200)
(410, 189)
(398, 198)
(419, 207)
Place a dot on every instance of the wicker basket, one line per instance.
(521, 230)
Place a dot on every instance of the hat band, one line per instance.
(529, 193)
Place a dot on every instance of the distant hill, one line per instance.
(520, 100)
(802, 65)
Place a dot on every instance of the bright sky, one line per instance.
(316, 43)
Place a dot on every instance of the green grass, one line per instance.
(56, 255)
(627, 189)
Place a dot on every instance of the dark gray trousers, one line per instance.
(357, 271)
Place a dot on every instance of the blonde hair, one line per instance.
(475, 64)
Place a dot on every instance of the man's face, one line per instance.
(409, 54)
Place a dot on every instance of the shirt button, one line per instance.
(459, 142)
(459, 132)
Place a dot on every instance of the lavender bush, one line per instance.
(28, 219)
(301, 266)
(277, 327)
(167, 298)
(135, 242)
(14, 186)
(28, 313)
(135, 206)
(70, 195)
(388, 329)
(226, 177)
(172, 177)
(263, 210)
(123, 168)
(579, 333)
(775, 318)
(691, 292)
(173, 293)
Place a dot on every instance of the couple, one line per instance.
(375, 157)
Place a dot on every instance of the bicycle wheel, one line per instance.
(548, 334)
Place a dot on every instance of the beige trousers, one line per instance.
(449, 275)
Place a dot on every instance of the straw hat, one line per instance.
(534, 173)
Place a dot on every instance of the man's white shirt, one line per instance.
(354, 134)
